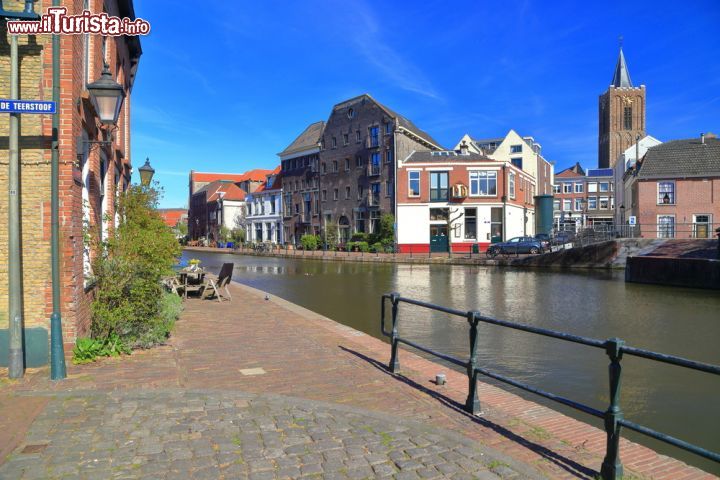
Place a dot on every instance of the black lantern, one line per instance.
(107, 97)
(666, 198)
(146, 173)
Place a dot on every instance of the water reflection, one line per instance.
(594, 304)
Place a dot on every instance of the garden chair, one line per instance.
(173, 284)
(221, 282)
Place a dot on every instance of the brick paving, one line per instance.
(252, 349)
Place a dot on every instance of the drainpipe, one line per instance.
(57, 352)
(16, 362)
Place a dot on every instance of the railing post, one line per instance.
(472, 404)
(612, 468)
(394, 360)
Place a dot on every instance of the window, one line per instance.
(334, 142)
(567, 205)
(357, 136)
(347, 193)
(388, 128)
(483, 183)
(359, 222)
(374, 221)
(604, 203)
(578, 204)
(666, 193)
(389, 156)
(567, 187)
(512, 185)
(351, 113)
(627, 118)
(374, 136)
(556, 205)
(335, 166)
(414, 183)
(323, 168)
(358, 161)
(470, 223)
(592, 187)
(439, 214)
(604, 187)
(360, 192)
(592, 203)
(335, 194)
(375, 164)
(438, 186)
(556, 188)
(273, 207)
(579, 187)
(324, 195)
(666, 226)
(374, 194)
(388, 188)
(345, 139)
(517, 162)
(297, 209)
(347, 164)
(515, 148)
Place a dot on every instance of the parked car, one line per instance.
(516, 245)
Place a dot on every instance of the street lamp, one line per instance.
(146, 173)
(622, 214)
(107, 97)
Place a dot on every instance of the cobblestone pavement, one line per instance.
(208, 435)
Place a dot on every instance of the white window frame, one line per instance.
(419, 176)
(658, 226)
(567, 205)
(592, 187)
(673, 200)
(579, 187)
(567, 187)
(578, 204)
(488, 176)
(594, 200)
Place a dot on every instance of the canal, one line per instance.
(677, 321)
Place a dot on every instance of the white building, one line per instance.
(264, 216)
(626, 161)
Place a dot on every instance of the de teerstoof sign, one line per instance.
(26, 106)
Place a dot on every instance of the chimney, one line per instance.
(702, 138)
(463, 148)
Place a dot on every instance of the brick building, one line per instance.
(674, 191)
(621, 115)
(360, 146)
(569, 201)
(173, 216)
(300, 184)
(218, 203)
(462, 198)
(90, 174)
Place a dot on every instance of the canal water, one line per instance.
(677, 321)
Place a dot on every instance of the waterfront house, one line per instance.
(569, 198)
(300, 183)
(461, 199)
(674, 190)
(264, 216)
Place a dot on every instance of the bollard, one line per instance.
(472, 404)
(612, 468)
(394, 360)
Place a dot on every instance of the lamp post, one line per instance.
(107, 97)
(146, 173)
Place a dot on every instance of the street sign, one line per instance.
(632, 220)
(26, 106)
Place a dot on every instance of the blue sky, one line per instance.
(224, 86)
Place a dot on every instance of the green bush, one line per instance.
(377, 247)
(309, 242)
(359, 237)
(88, 349)
(130, 302)
(362, 246)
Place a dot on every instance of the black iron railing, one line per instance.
(615, 348)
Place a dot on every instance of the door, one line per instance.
(702, 226)
(438, 238)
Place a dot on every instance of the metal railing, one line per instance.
(612, 467)
(602, 232)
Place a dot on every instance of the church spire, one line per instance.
(622, 75)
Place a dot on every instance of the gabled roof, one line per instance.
(222, 188)
(682, 158)
(574, 171)
(256, 175)
(211, 177)
(309, 138)
(621, 78)
(445, 156)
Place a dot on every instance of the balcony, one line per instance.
(374, 169)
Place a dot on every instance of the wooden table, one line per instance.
(193, 280)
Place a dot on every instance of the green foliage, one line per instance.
(309, 242)
(387, 227)
(88, 349)
(129, 301)
(357, 247)
(182, 228)
(330, 235)
(359, 237)
(224, 233)
(377, 247)
(238, 235)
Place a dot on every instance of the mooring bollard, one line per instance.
(612, 468)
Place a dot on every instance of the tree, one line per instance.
(450, 222)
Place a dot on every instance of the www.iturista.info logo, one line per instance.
(57, 21)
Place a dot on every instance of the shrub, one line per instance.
(359, 237)
(129, 302)
(362, 246)
(309, 242)
(376, 247)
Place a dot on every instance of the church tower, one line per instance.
(621, 115)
